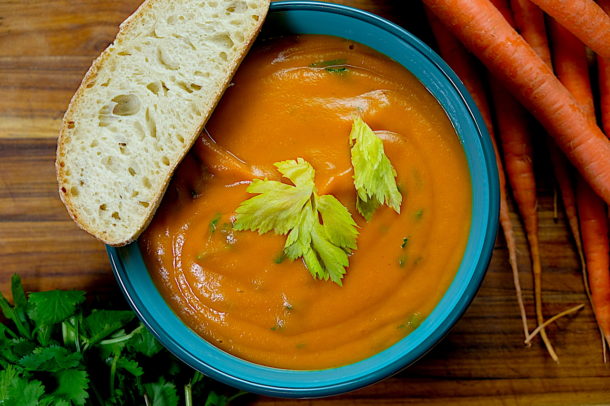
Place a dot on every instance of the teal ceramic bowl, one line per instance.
(308, 17)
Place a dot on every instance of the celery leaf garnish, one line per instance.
(374, 175)
(319, 228)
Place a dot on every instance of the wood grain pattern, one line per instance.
(45, 48)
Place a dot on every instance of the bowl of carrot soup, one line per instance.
(333, 221)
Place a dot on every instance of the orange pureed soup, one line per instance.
(297, 97)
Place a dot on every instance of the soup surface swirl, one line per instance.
(297, 97)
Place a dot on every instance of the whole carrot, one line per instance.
(594, 228)
(572, 69)
(518, 152)
(571, 66)
(463, 65)
(481, 27)
(531, 23)
(517, 145)
(584, 18)
(564, 175)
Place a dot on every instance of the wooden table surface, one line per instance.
(45, 48)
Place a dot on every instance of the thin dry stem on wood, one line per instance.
(540, 328)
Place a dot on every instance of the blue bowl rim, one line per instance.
(291, 383)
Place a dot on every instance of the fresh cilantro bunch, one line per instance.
(320, 228)
(374, 175)
(55, 352)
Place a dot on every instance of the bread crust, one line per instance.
(104, 235)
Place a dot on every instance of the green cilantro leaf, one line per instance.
(14, 349)
(72, 385)
(26, 393)
(16, 313)
(54, 306)
(50, 359)
(374, 175)
(21, 303)
(145, 343)
(296, 210)
(130, 366)
(216, 399)
(101, 323)
(50, 400)
(161, 393)
(117, 362)
(15, 390)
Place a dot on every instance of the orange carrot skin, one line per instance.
(503, 7)
(584, 18)
(518, 151)
(516, 143)
(603, 65)
(594, 229)
(529, 20)
(571, 66)
(462, 63)
(481, 27)
(564, 176)
(454, 53)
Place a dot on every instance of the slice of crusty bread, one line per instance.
(142, 105)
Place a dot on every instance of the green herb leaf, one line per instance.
(72, 385)
(338, 69)
(293, 210)
(145, 343)
(337, 221)
(54, 375)
(50, 400)
(14, 349)
(54, 306)
(215, 399)
(101, 323)
(214, 223)
(161, 393)
(15, 390)
(16, 313)
(374, 175)
(21, 304)
(330, 62)
(18, 292)
(326, 260)
(278, 205)
(50, 359)
(130, 366)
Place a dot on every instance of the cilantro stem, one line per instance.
(70, 333)
(122, 338)
(113, 370)
(238, 394)
(188, 395)
(4, 329)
